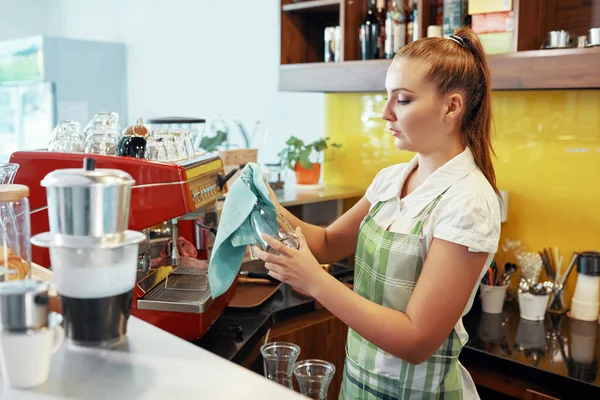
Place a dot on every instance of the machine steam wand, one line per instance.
(174, 236)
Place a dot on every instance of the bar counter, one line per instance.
(506, 355)
(150, 364)
(557, 356)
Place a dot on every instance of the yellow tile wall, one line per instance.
(548, 158)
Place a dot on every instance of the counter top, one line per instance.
(293, 195)
(559, 351)
(149, 364)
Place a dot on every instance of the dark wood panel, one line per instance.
(575, 16)
(312, 6)
(501, 383)
(320, 335)
(425, 17)
(533, 395)
(540, 69)
(532, 19)
(353, 14)
(302, 34)
(293, 46)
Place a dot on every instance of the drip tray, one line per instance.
(179, 292)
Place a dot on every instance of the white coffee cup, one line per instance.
(25, 357)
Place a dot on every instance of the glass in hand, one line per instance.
(267, 220)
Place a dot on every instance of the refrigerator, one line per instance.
(27, 116)
(46, 79)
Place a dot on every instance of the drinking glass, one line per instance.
(102, 134)
(314, 377)
(279, 359)
(266, 219)
(8, 172)
(67, 137)
(155, 149)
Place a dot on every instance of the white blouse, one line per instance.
(467, 214)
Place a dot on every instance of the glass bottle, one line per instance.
(395, 28)
(369, 34)
(15, 231)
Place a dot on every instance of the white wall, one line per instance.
(198, 58)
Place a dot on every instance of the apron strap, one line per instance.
(376, 208)
(424, 214)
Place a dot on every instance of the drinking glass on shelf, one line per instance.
(102, 134)
(314, 377)
(67, 137)
(189, 143)
(279, 359)
(168, 140)
(179, 139)
(155, 149)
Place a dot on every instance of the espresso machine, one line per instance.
(181, 196)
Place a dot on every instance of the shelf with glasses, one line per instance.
(524, 70)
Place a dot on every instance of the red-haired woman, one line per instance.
(423, 235)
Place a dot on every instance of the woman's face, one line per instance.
(420, 119)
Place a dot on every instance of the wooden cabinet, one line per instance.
(533, 395)
(320, 335)
(302, 47)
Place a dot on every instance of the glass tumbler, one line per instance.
(67, 137)
(8, 172)
(279, 359)
(314, 377)
(15, 249)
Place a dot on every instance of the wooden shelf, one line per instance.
(524, 70)
(312, 6)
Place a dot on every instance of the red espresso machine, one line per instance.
(180, 195)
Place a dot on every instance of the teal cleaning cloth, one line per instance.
(235, 230)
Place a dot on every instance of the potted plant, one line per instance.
(303, 158)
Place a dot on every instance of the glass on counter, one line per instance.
(102, 134)
(314, 377)
(169, 145)
(67, 137)
(280, 358)
(15, 249)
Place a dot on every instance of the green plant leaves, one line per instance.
(297, 152)
(210, 144)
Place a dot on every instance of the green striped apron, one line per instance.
(387, 267)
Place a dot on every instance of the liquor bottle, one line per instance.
(412, 28)
(395, 28)
(380, 13)
(415, 13)
(369, 34)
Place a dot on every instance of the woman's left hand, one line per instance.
(298, 268)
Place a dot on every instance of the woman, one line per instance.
(423, 235)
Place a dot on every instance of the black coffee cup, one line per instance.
(131, 146)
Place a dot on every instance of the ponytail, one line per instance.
(460, 63)
(477, 121)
